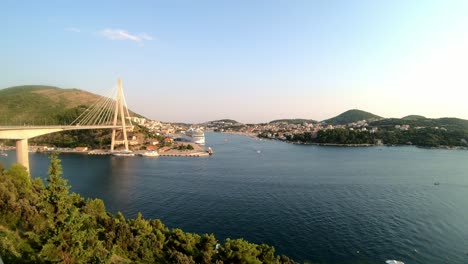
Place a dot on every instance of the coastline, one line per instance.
(255, 136)
(100, 152)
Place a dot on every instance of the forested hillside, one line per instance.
(41, 105)
(350, 116)
(45, 223)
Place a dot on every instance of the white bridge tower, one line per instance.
(121, 111)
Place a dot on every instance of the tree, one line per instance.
(67, 237)
(43, 224)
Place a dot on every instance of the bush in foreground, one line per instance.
(46, 223)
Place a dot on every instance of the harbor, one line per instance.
(302, 191)
(191, 143)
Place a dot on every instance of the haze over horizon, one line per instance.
(252, 61)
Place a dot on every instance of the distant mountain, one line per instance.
(414, 117)
(294, 121)
(351, 116)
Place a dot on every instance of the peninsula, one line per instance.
(357, 128)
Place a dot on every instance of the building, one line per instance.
(81, 149)
(151, 147)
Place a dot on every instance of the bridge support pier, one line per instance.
(22, 153)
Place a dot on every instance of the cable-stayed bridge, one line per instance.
(109, 112)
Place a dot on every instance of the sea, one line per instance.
(312, 203)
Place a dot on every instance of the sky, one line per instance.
(248, 60)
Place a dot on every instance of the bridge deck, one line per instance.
(76, 127)
(26, 132)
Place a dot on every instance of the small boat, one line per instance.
(151, 153)
(392, 261)
(4, 154)
(210, 151)
(124, 153)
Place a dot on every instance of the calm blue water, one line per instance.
(319, 204)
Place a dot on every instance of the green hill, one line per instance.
(49, 105)
(224, 121)
(413, 117)
(294, 121)
(351, 116)
(40, 105)
(453, 124)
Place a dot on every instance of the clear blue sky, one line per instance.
(252, 61)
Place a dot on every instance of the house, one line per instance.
(404, 127)
(168, 140)
(151, 147)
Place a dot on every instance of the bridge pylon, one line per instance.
(105, 113)
(120, 108)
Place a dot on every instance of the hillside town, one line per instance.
(283, 130)
(439, 133)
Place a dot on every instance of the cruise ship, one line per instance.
(196, 135)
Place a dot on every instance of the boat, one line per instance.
(4, 154)
(210, 151)
(152, 153)
(123, 153)
(196, 135)
(392, 261)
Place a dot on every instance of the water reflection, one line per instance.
(121, 181)
(313, 203)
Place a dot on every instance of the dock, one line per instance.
(162, 154)
(196, 154)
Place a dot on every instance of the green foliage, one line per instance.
(2, 168)
(185, 147)
(47, 105)
(241, 251)
(295, 121)
(413, 117)
(344, 136)
(44, 224)
(425, 137)
(39, 105)
(451, 124)
(225, 121)
(20, 178)
(99, 138)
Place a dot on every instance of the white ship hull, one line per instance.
(196, 136)
(198, 140)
